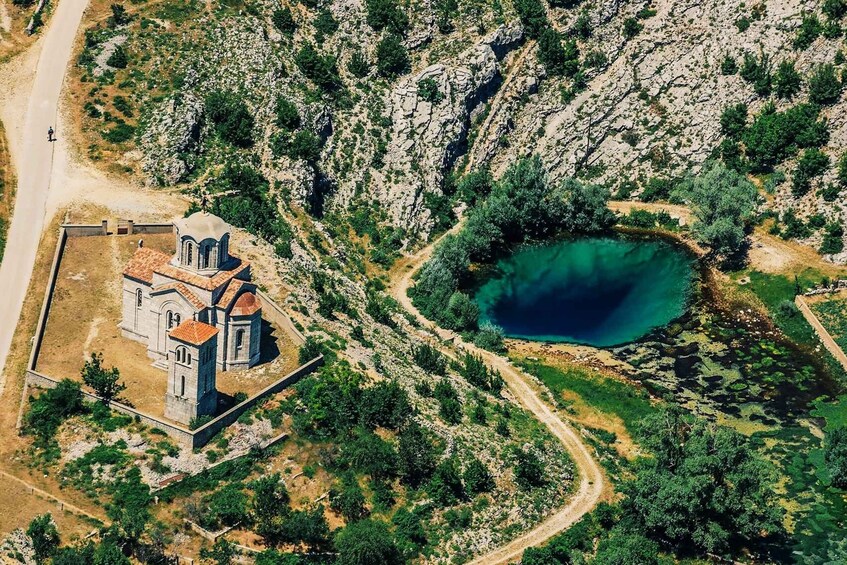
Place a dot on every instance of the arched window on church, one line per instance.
(170, 319)
(239, 342)
(139, 297)
(182, 385)
(189, 254)
(177, 319)
(205, 260)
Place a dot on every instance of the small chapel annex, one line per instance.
(196, 312)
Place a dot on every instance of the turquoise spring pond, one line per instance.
(595, 291)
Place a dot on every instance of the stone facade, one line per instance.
(202, 284)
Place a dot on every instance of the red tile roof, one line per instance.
(144, 261)
(183, 290)
(194, 332)
(246, 305)
(229, 294)
(193, 279)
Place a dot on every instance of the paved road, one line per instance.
(34, 165)
(591, 478)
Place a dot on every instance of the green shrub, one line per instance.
(728, 65)
(325, 24)
(386, 15)
(359, 66)
(118, 59)
(787, 80)
(558, 59)
(533, 16)
(120, 133)
(284, 21)
(428, 91)
(631, 27)
(51, 408)
(287, 115)
(320, 69)
(391, 57)
(429, 359)
(809, 30)
(824, 85)
(811, 164)
(231, 118)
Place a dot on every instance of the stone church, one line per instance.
(196, 312)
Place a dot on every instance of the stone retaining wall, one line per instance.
(190, 438)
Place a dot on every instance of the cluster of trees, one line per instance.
(290, 139)
(388, 17)
(704, 490)
(835, 456)
(249, 205)
(319, 68)
(772, 137)
(232, 119)
(522, 206)
(723, 201)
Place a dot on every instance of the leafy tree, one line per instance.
(370, 454)
(734, 119)
(270, 498)
(386, 15)
(533, 16)
(409, 531)
(539, 556)
(835, 456)
(834, 9)
(429, 359)
(477, 478)
(757, 72)
(391, 57)
(445, 11)
(325, 24)
(705, 487)
(722, 200)
(416, 461)
(51, 408)
(108, 553)
(842, 169)
(287, 116)
(559, 60)
(231, 118)
(462, 312)
(624, 548)
(428, 91)
(445, 486)
(119, 16)
(358, 65)
(129, 507)
(384, 404)
(366, 542)
(44, 535)
(787, 80)
(308, 527)
(833, 239)
(118, 59)
(274, 557)
(809, 30)
(103, 381)
(476, 372)
(581, 28)
(528, 470)
(450, 406)
(824, 86)
(348, 499)
(320, 69)
(222, 552)
(584, 209)
(631, 27)
(729, 66)
(284, 21)
(811, 164)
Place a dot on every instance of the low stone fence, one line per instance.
(824, 335)
(191, 438)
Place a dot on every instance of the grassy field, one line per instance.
(832, 313)
(600, 392)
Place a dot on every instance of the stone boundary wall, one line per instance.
(190, 438)
(280, 317)
(824, 335)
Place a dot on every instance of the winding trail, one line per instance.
(591, 477)
(34, 166)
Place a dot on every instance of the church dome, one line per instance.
(246, 305)
(203, 225)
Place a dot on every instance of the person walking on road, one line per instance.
(50, 133)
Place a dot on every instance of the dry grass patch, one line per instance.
(86, 311)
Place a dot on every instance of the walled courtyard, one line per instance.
(86, 311)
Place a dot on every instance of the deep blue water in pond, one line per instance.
(596, 291)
